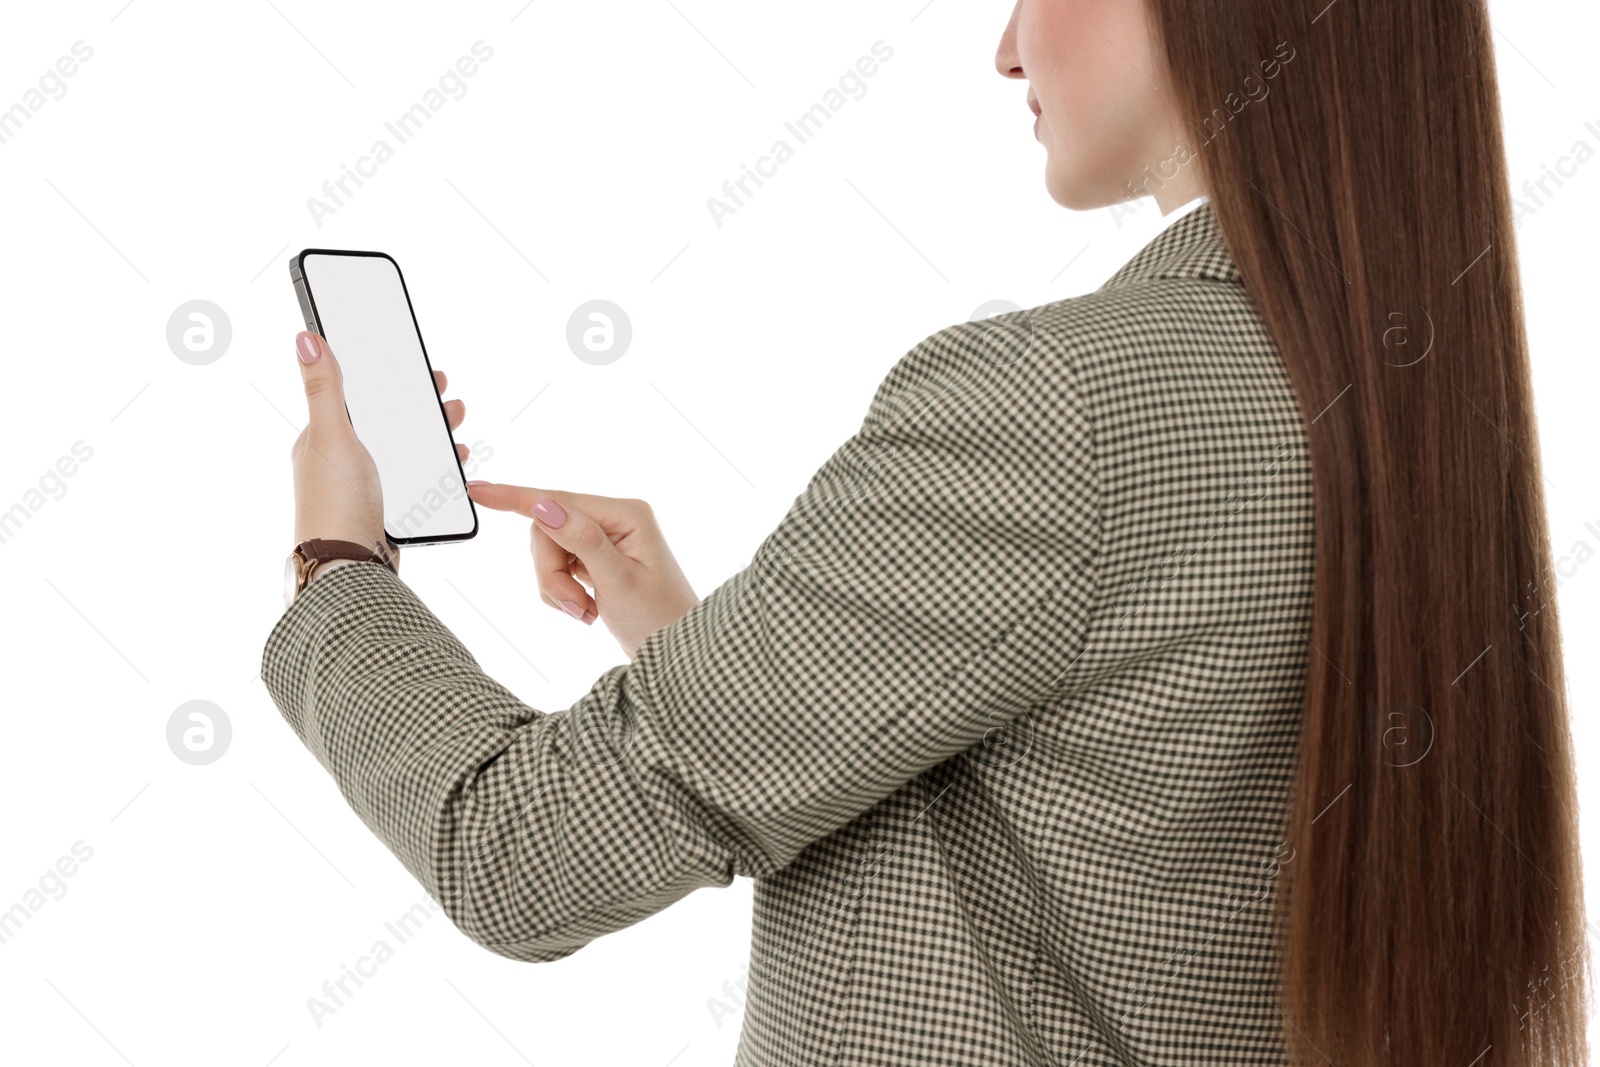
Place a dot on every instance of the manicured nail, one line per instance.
(306, 341)
(549, 511)
(572, 609)
(477, 483)
(589, 617)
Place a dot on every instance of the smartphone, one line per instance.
(359, 304)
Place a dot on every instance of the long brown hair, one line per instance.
(1432, 912)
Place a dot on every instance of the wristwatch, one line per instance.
(309, 555)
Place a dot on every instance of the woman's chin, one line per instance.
(1082, 191)
(1075, 192)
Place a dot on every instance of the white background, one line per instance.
(577, 166)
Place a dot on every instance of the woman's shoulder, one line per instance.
(1089, 344)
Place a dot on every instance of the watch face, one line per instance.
(290, 577)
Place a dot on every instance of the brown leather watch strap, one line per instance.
(322, 550)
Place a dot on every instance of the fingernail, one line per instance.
(549, 511)
(306, 341)
(589, 617)
(572, 609)
(477, 483)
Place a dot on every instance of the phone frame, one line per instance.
(308, 308)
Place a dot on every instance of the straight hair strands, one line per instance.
(1432, 914)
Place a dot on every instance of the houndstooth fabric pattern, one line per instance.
(1001, 718)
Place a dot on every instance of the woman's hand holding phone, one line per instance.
(336, 490)
(611, 544)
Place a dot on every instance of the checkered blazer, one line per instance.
(1000, 719)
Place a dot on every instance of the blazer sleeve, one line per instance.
(932, 582)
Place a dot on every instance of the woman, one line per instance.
(1164, 684)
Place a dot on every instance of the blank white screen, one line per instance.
(389, 392)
